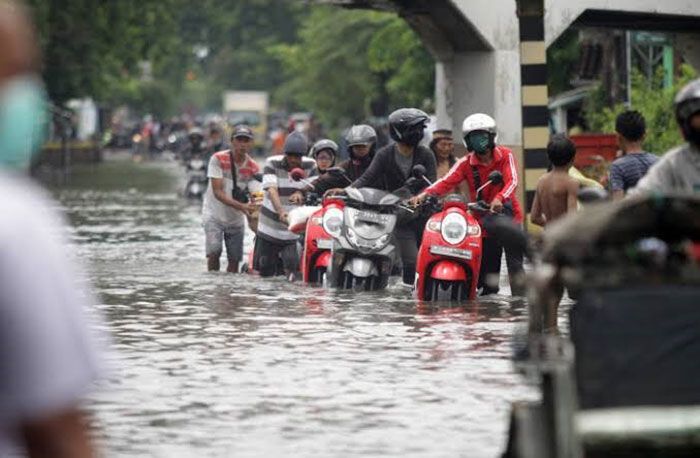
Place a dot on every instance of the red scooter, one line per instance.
(449, 258)
(318, 229)
(318, 241)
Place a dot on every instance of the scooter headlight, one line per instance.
(382, 241)
(454, 228)
(333, 221)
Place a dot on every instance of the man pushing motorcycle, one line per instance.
(485, 156)
(392, 167)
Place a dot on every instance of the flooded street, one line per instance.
(232, 365)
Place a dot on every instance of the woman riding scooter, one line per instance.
(361, 140)
(324, 153)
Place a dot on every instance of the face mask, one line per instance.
(413, 136)
(479, 142)
(22, 121)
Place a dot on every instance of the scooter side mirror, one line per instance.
(592, 194)
(297, 174)
(418, 171)
(496, 177)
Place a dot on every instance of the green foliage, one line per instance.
(328, 69)
(343, 65)
(396, 51)
(562, 58)
(350, 64)
(650, 99)
(90, 46)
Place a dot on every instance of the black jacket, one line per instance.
(353, 169)
(384, 173)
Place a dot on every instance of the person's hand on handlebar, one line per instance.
(297, 198)
(496, 205)
(417, 200)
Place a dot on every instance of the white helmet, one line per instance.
(478, 121)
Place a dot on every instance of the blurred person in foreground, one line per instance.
(679, 169)
(48, 359)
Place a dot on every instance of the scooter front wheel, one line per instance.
(455, 291)
(317, 275)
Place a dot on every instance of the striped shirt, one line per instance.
(275, 175)
(627, 170)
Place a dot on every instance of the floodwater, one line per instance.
(214, 364)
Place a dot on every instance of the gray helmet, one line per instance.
(324, 144)
(687, 104)
(296, 143)
(406, 125)
(361, 134)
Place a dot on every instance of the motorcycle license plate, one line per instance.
(371, 217)
(324, 244)
(449, 251)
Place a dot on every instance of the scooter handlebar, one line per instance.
(480, 206)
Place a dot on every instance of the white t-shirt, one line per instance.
(48, 356)
(220, 167)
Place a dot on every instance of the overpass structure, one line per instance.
(491, 56)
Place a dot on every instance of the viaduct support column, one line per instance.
(535, 114)
(478, 69)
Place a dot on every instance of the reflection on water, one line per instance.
(232, 365)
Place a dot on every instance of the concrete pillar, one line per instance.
(482, 73)
(535, 114)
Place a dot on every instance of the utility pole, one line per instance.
(534, 94)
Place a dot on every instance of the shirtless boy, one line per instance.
(556, 192)
(555, 196)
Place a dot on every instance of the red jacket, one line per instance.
(503, 161)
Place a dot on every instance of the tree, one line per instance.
(91, 47)
(344, 65)
(562, 59)
(650, 99)
(350, 64)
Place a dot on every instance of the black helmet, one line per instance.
(687, 104)
(406, 125)
(296, 143)
(324, 144)
(361, 134)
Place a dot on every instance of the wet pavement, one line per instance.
(213, 364)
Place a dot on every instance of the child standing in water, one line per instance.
(555, 196)
(556, 192)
